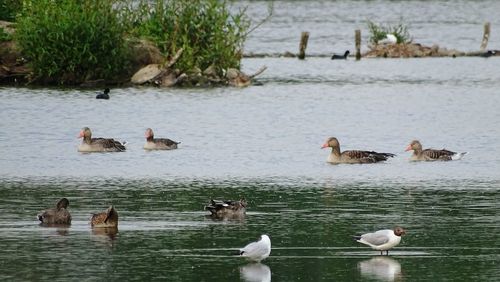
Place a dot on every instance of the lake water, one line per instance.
(263, 143)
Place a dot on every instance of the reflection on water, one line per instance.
(382, 268)
(255, 272)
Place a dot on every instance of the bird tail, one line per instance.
(357, 237)
(458, 156)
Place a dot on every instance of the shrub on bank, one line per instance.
(9, 9)
(206, 30)
(69, 42)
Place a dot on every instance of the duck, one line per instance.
(382, 240)
(257, 251)
(158, 143)
(352, 156)
(105, 219)
(221, 208)
(103, 95)
(57, 215)
(389, 39)
(90, 144)
(431, 154)
(340, 57)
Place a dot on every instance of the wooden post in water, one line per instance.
(486, 36)
(303, 45)
(357, 42)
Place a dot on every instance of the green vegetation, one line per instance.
(4, 36)
(378, 32)
(9, 9)
(68, 42)
(208, 33)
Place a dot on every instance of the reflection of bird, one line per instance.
(103, 95)
(227, 208)
(257, 251)
(431, 154)
(57, 215)
(382, 240)
(352, 156)
(90, 144)
(255, 272)
(389, 39)
(108, 218)
(153, 143)
(382, 268)
(340, 57)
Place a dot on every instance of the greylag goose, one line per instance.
(340, 57)
(257, 251)
(158, 143)
(224, 208)
(382, 240)
(352, 156)
(431, 154)
(57, 215)
(103, 95)
(90, 144)
(108, 218)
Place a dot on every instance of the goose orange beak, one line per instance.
(408, 148)
(324, 146)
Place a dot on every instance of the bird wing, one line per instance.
(368, 156)
(438, 154)
(377, 238)
(108, 143)
(165, 141)
(254, 249)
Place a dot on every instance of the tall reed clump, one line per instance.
(206, 30)
(378, 32)
(69, 41)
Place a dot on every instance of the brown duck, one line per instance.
(222, 208)
(106, 219)
(57, 215)
(90, 144)
(158, 143)
(431, 154)
(352, 156)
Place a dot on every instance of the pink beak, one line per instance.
(324, 146)
(408, 148)
(80, 135)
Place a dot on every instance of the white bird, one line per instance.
(255, 272)
(257, 251)
(381, 268)
(382, 240)
(389, 39)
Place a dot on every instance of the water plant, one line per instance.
(208, 32)
(69, 42)
(378, 32)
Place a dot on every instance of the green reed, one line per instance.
(69, 42)
(378, 32)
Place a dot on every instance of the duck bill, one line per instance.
(408, 148)
(324, 146)
(80, 135)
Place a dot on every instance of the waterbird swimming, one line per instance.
(340, 57)
(90, 144)
(57, 215)
(158, 143)
(352, 156)
(431, 154)
(103, 95)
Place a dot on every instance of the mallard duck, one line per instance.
(57, 215)
(222, 208)
(106, 219)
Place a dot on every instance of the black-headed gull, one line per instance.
(257, 251)
(382, 240)
(431, 154)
